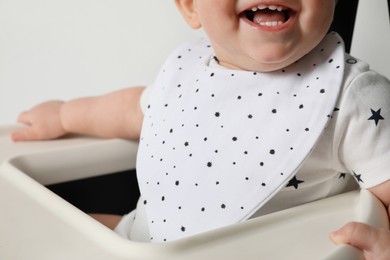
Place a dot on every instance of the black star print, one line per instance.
(358, 177)
(342, 176)
(294, 182)
(376, 116)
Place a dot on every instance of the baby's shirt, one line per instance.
(234, 118)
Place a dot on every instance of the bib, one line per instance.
(217, 144)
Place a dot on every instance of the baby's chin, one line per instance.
(258, 66)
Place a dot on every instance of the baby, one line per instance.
(266, 114)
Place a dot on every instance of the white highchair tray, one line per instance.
(37, 224)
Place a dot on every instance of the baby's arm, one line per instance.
(114, 115)
(374, 242)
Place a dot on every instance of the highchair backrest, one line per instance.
(371, 37)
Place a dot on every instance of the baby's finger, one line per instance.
(26, 134)
(356, 234)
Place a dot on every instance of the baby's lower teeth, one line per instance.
(271, 23)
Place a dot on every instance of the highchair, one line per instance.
(35, 223)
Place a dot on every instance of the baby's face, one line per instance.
(261, 35)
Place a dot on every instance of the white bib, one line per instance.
(217, 144)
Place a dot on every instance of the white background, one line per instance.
(61, 49)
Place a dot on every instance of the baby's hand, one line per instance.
(375, 243)
(43, 122)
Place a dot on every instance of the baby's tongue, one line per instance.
(264, 16)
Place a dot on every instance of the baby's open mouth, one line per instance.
(268, 15)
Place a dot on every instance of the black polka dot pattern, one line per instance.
(214, 144)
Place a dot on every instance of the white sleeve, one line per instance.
(363, 122)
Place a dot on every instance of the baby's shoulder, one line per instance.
(354, 68)
(363, 85)
(358, 74)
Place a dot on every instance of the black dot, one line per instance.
(223, 206)
(217, 114)
(183, 229)
(234, 139)
(322, 91)
(250, 116)
(179, 57)
(274, 111)
(263, 184)
(145, 202)
(307, 129)
(272, 151)
(209, 164)
(186, 144)
(212, 74)
(177, 183)
(301, 106)
(330, 61)
(162, 198)
(261, 164)
(202, 209)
